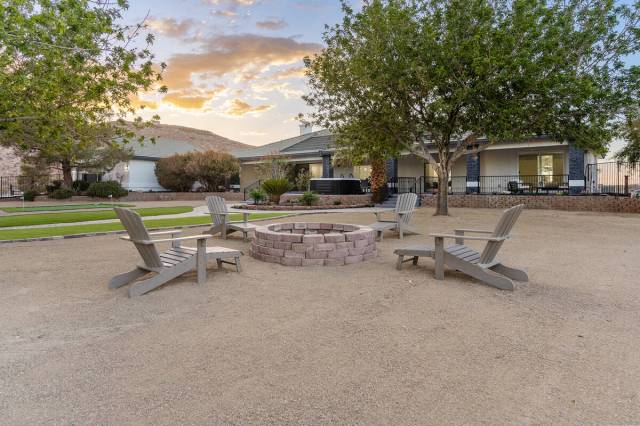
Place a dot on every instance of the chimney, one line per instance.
(306, 128)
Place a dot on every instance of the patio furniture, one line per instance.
(220, 219)
(479, 265)
(169, 264)
(403, 211)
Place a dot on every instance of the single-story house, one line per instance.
(537, 165)
(138, 173)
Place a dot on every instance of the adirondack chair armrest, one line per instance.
(477, 231)
(467, 237)
(168, 240)
(169, 232)
(402, 213)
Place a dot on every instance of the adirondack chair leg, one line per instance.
(400, 231)
(415, 260)
(380, 235)
(514, 274)
(439, 251)
(215, 229)
(399, 262)
(484, 275)
(245, 236)
(201, 260)
(142, 287)
(238, 268)
(219, 262)
(126, 278)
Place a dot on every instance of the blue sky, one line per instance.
(234, 66)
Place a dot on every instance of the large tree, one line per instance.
(70, 71)
(435, 76)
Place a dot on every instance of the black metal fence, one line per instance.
(524, 184)
(612, 178)
(15, 186)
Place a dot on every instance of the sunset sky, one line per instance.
(234, 67)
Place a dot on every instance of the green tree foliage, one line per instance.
(69, 74)
(171, 172)
(431, 77)
(213, 169)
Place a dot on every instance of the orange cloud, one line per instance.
(192, 99)
(271, 24)
(138, 103)
(239, 108)
(171, 27)
(235, 53)
(295, 72)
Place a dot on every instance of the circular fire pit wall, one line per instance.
(302, 244)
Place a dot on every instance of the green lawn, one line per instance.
(17, 234)
(60, 207)
(84, 216)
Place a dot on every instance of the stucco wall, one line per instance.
(9, 162)
(410, 166)
(248, 175)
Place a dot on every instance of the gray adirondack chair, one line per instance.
(220, 219)
(171, 263)
(480, 265)
(405, 206)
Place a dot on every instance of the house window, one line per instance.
(315, 170)
(542, 169)
(541, 165)
(361, 172)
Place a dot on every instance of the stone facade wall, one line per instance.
(9, 162)
(180, 196)
(589, 203)
(329, 200)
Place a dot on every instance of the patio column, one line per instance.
(473, 173)
(327, 168)
(576, 170)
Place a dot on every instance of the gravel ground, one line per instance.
(358, 344)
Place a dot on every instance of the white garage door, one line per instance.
(142, 176)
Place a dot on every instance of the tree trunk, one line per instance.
(442, 206)
(67, 177)
(378, 179)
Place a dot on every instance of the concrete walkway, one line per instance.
(200, 211)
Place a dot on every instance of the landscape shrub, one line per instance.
(54, 185)
(337, 202)
(171, 173)
(104, 189)
(275, 188)
(212, 169)
(30, 195)
(257, 195)
(302, 180)
(309, 198)
(80, 185)
(61, 193)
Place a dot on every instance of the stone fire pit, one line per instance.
(302, 244)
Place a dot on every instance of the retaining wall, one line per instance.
(587, 203)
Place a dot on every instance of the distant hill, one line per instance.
(199, 138)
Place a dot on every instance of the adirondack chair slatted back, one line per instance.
(406, 203)
(137, 232)
(507, 220)
(217, 208)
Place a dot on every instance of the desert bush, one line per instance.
(337, 202)
(80, 185)
(30, 195)
(302, 180)
(257, 195)
(104, 189)
(171, 172)
(275, 188)
(53, 186)
(212, 169)
(309, 198)
(61, 193)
